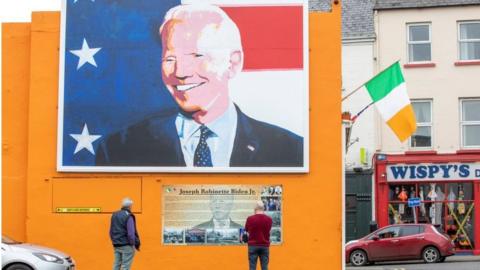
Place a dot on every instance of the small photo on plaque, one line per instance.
(275, 235)
(195, 236)
(173, 236)
(276, 218)
(223, 236)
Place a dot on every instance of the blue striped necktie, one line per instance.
(203, 157)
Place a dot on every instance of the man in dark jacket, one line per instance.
(124, 236)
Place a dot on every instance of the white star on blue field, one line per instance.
(85, 54)
(85, 140)
(110, 74)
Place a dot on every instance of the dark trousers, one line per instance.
(254, 252)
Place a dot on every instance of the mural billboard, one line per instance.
(183, 86)
(216, 215)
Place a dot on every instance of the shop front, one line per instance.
(440, 189)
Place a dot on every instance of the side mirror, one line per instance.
(375, 238)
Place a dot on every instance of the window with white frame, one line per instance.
(422, 138)
(470, 122)
(419, 42)
(469, 40)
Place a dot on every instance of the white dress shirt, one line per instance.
(220, 141)
(221, 224)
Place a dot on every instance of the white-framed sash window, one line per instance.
(422, 138)
(469, 40)
(470, 122)
(419, 42)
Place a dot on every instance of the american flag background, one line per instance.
(110, 68)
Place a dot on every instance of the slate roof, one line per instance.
(357, 19)
(320, 5)
(399, 4)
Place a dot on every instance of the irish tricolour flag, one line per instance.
(389, 93)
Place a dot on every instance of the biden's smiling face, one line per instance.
(196, 75)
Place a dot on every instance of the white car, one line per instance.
(23, 256)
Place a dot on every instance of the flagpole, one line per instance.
(358, 88)
(354, 118)
(353, 92)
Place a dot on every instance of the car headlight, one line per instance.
(48, 258)
(351, 242)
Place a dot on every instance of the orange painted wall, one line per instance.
(15, 86)
(312, 202)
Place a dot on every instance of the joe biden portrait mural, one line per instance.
(169, 86)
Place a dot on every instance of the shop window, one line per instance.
(431, 209)
(470, 122)
(460, 191)
(419, 43)
(422, 138)
(459, 221)
(448, 206)
(469, 40)
(398, 208)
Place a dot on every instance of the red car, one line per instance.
(400, 242)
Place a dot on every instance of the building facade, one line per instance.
(438, 45)
(358, 63)
(34, 192)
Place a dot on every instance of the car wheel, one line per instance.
(430, 255)
(442, 259)
(18, 266)
(358, 258)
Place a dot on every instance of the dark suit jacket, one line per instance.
(155, 142)
(210, 225)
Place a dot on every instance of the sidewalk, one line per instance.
(464, 258)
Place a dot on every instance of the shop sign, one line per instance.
(429, 172)
(413, 202)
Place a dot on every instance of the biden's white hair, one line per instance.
(221, 39)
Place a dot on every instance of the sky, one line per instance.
(20, 10)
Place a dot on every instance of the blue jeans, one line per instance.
(254, 252)
(123, 257)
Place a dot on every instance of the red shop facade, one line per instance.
(441, 189)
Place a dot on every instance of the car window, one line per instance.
(411, 230)
(389, 232)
